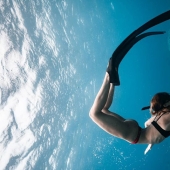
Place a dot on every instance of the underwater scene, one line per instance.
(53, 58)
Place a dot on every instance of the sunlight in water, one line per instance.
(53, 56)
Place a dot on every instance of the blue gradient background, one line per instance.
(53, 57)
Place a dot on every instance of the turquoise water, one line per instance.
(53, 56)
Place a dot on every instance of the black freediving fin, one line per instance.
(136, 36)
(122, 53)
(155, 21)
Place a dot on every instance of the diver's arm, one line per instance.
(148, 148)
(149, 121)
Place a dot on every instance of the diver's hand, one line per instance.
(148, 148)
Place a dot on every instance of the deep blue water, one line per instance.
(53, 57)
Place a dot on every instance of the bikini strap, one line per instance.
(159, 116)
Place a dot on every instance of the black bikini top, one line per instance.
(162, 131)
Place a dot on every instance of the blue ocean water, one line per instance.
(53, 57)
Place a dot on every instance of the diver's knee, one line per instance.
(93, 113)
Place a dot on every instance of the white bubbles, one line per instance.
(64, 4)
(65, 125)
(112, 6)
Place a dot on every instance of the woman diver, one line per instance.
(157, 128)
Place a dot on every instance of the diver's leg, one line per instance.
(109, 103)
(102, 95)
(109, 123)
(110, 97)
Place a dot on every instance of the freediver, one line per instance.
(157, 128)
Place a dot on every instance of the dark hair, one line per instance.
(158, 101)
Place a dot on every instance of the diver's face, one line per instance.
(151, 110)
